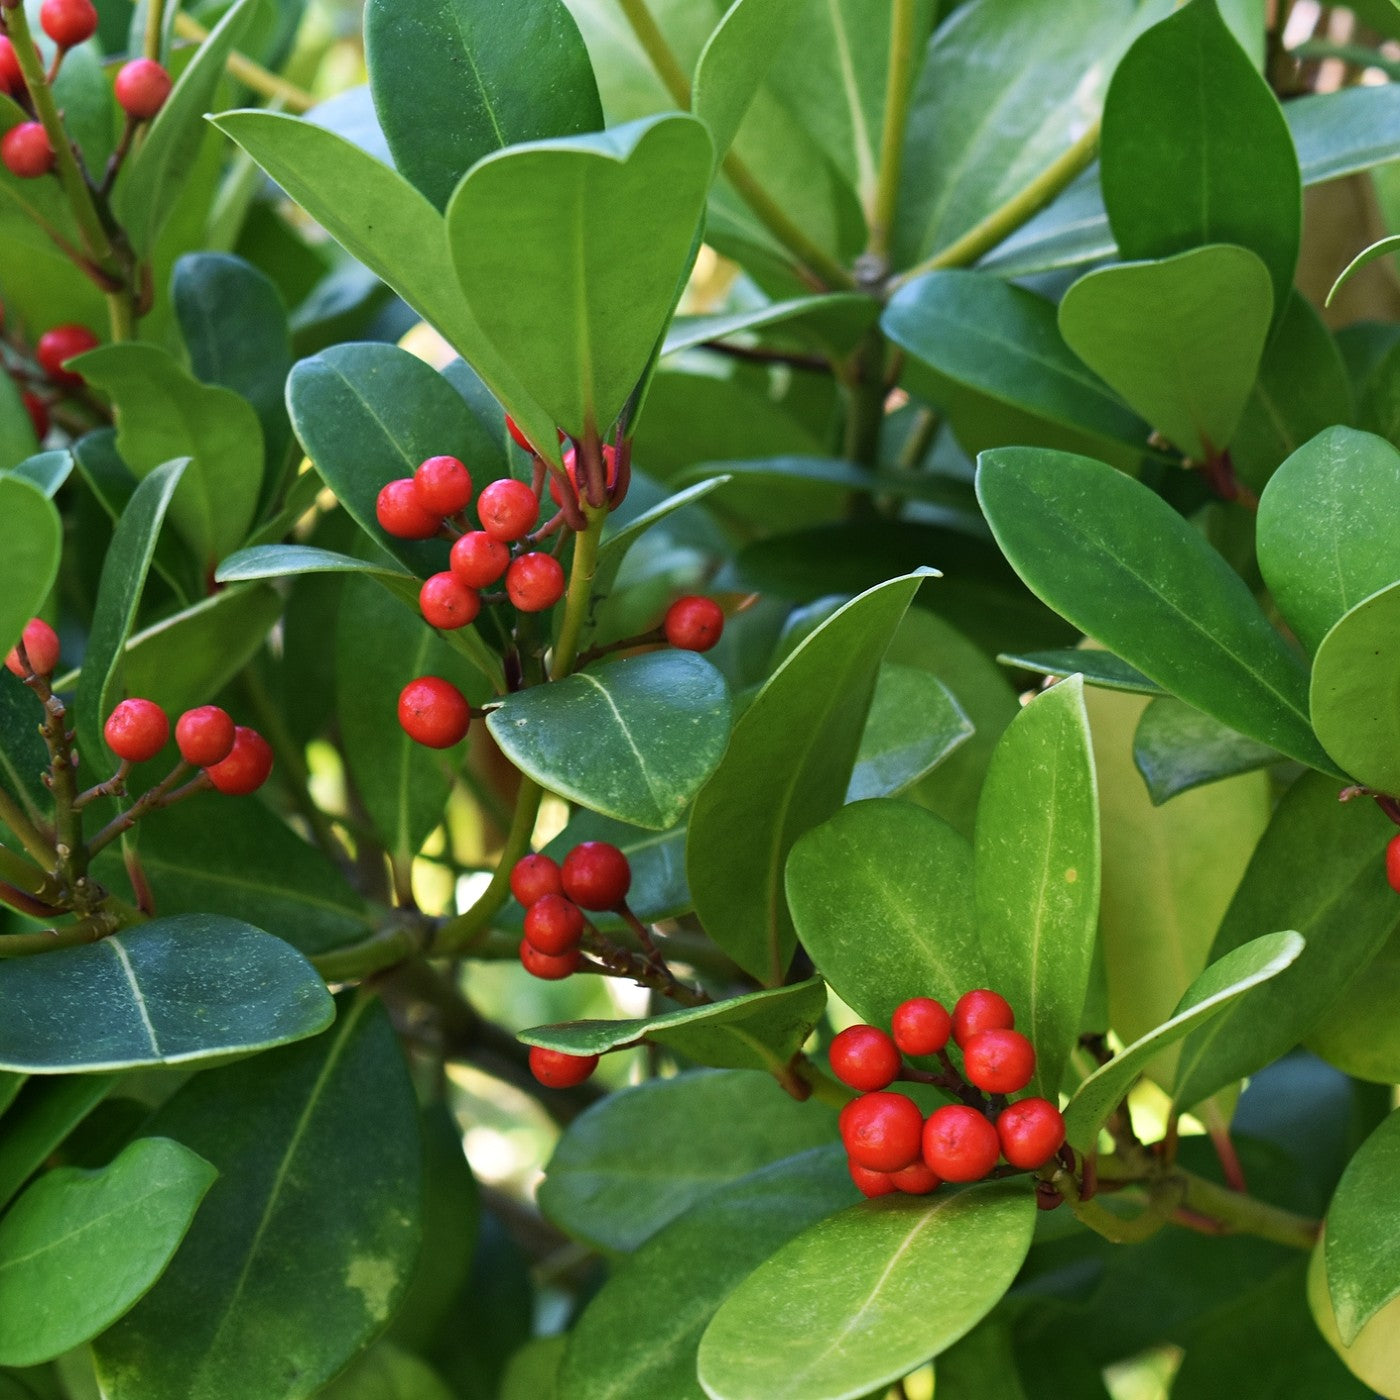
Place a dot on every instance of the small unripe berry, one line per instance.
(508, 509)
(865, 1058)
(693, 624)
(535, 582)
(1392, 863)
(26, 152)
(596, 875)
(998, 1061)
(204, 736)
(446, 602)
(1031, 1131)
(141, 87)
(400, 513)
(921, 1026)
(478, 560)
(38, 412)
(960, 1144)
(881, 1131)
(136, 730)
(434, 712)
(444, 486)
(246, 768)
(544, 965)
(534, 876)
(68, 22)
(556, 1070)
(554, 925)
(980, 1010)
(40, 646)
(917, 1179)
(871, 1184)
(59, 345)
(11, 76)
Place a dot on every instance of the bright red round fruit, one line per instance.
(38, 412)
(446, 602)
(444, 485)
(68, 22)
(556, 1070)
(11, 76)
(40, 646)
(544, 965)
(434, 712)
(401, 514)
(1392, 863)
(535, 582)
(871, 1184)
(865, 1058)
(136, 730)
(999, 1061)
(61, 344)
(596, 875)
(534, 876)
(980, 1010)
(205, 736)
(141, 87)
(921, 1026)
(26, 152)
(508, 509)
(478, 560)
(517, 437)
(246, 768)
(693, 624)
(960, 1144)
(554, 925)
(917, 1179)
(881, 1131)
(1031, 1131)
(556, 491)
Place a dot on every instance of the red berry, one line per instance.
(141, 87)
(478, 560)
(571, 466)
(999, 1062)
(960, 1144)
(1031, 1131)
(980, 1010)
(533, 877)
(596, 875)
(40, 646)
(535, 582)
(204, 736)
(871, 1184)
(1392, 863)
(554, 925)
(400, 514)
(544, 965)
(556, 1070)
(61, 344)
(519, 438)
(26, 151)
(444, 485)
(68, 22)
(447, 602)
(693, 624)
(246, 768)
(434, 712)
(508, 509)
(136, 730)
(921, 1026)
(38, 412)
(11, 77)
(864, 1057)
(881, 1131)
(917, 1179)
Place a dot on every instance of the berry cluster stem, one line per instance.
(579, 598)
(31, 837)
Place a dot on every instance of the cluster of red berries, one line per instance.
(595, 875)
(54, 349)
(890, 1145)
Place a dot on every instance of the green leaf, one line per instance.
(173, 991)
(454, 81)
(17, 440)
(833, 320)
(914, 724)
(1195, 149)
(385, 1372)
(1378, 249)
(882, 1286)
(1223, 982)
(1099, 668)
(29, 564)
(47, 470)
(1177, 748)
(1180, 339)
(657, 725)
(1037, 873)
(304, 1245)
(1356, 691)
(1323, 538)
(83, 94)
(1363, 1267)
(1126, 569)
(40, 1119)
(633, 1162)
(531, 253)
(787, 768)
(882, 897)
(762, 1030)
(80, 1247)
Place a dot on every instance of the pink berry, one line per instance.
(960, 1144)
(557, 1070)
(554, 925)
(40, 646)
(26, 152)
(545, 966)
(205, 736)
(141, 87)
(1031, 1131)
(534, 876)
(999, 1061)
(11, 76)
(980, 1010)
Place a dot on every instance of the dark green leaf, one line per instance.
(1360, 1033)
(83, 93)
(29, 564)
(46, 1111)
(914, 724)
(17, 440)
(23, 755)
(835, 320)
(1099, 668)
(1379, 249)
(1177, 748)
(48, 471)
(1363, 1266)
(385, 1372)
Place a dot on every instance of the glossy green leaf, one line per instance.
(1037, 873)
(455, 80)
(913, 725)
(1356, 691)
(387, 1372)
(173, 991)
(1218, 168)
(29, 564)
(1099, 668)
(31, 204)
(1363, 1266)
(1179, 339)
(1324, 540)
(1177, 748)
(80, 1247)
(1223, 982)
(787, 768)
(634, 1162)
(638, 1336)
(883, 1285)
(304, 1245)
(1379, 249)
(882, 896)
(657, 726)
(23, 755)
(1126, 569)
(17, 440)
(46, 470)
(38, 1121)
(1360, 1032)
(833, 319)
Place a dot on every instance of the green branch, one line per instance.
(898, 90)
